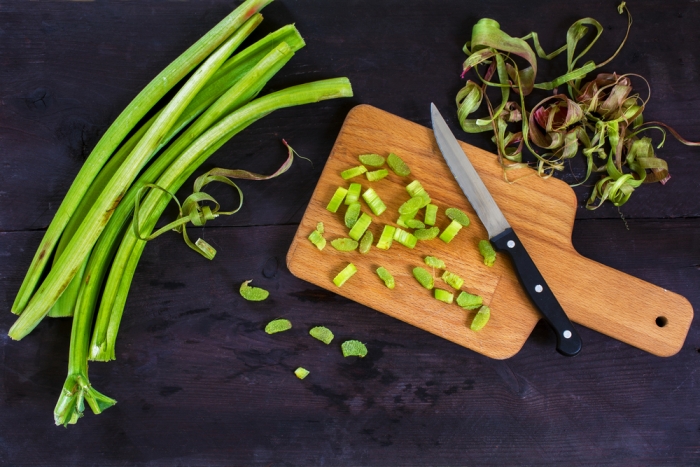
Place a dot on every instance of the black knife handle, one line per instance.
(568, 340)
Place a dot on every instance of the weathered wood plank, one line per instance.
(199, 382)
(68, 68)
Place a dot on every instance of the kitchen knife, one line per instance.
(503, 237)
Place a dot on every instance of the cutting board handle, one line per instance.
(636, 312)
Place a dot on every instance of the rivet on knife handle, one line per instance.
(568, 340)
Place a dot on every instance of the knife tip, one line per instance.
(435, 114)
(433, 111)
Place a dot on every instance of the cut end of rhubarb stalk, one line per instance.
(100, 353)
(71, 402)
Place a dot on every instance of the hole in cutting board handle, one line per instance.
(661, 321)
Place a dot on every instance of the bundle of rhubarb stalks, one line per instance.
(93, 244)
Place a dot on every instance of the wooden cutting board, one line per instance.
(540, 211)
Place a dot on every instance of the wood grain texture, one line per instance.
(540, 211)
(198, 382)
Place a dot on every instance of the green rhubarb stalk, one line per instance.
(102, 348)
(452, 279)
(353, 172)
(116, 133)
(430, 214)
(243, 61)
(481, 318)
(344, 244)
(373, 160)
(239, 94)
(85, 237)
(426, 234)
(398, 165)
(353, 348)
(434, 262)
(97, 269)
(443, 295)
(406, 239)
(317, 239)
(77, 387)
(374, 202)
(344, 275)
(450, 231)
(278, 325)
(366, 242)
(353, 194)
(423, 277)
(360, 227)
(322, 333)
(202, 101)
(337, 199)
(376, 175)
(386, 238)
(415, 224)
(386, 276)
(208, 95)
(106, 246)
(65, 304)
(352, 213)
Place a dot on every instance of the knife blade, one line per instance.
(503, 238)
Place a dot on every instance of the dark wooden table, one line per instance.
(199, 382)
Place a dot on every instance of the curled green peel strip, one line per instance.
(192, 211)
(600, 118)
